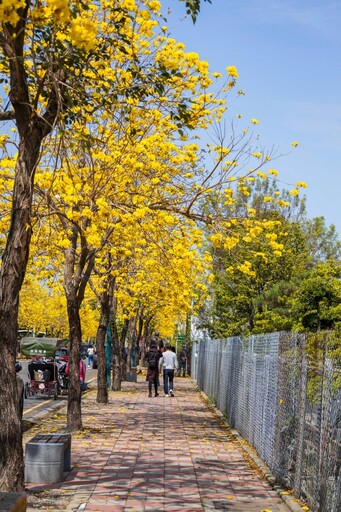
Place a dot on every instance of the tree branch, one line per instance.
(9, 115)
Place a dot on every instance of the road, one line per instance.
(37, 406)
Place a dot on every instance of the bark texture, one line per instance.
(102, 390)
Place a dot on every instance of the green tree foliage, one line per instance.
(322, 240)
(317, 300)
(193, 7)
(288, 286)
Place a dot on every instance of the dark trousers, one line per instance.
(168, 380)
(150, 386)
(182, 366)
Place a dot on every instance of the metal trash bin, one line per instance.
(132, 375)
(47, 456)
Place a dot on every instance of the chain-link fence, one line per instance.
(282, 392)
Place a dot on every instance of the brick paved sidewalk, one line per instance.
(153, 454)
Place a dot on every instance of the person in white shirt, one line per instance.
(91, 352)
(168, 363)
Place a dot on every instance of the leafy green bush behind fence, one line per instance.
(282, 392)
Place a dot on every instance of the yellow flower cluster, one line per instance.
(232, 71)
(283, 203)
(246, 268)
(154, 5)
(230, 242)
(129, 4)
(60, 10)
(83, 32)
(9, 11)
(273, 172)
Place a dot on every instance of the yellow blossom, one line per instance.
(9, 11)
(83, 33)
(294, 192)
(129, 4)
(255, 231)
(282, 203)
(245, 268)
(261, 174)
(230, 243)
(273, 172)
(154, 5)
(295, 143)
(60, 10)
(301, 184)
(232, 71)
(254, 121)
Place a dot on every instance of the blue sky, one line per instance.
(288, 57)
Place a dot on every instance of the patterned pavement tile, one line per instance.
(158, 455)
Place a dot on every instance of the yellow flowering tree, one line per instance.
(121, 99)
(144, 148)
(41, 308)
(266, 248)
(49, 51)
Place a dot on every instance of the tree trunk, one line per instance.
(116, 360)
(138, 337)
(102, 390)
(145, 338)
(131, 361)
(74, 410)
(79, 263)
(13, 268)
(32, 130)
(11, 453)
(123, 337)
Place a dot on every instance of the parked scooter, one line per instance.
(62, 378)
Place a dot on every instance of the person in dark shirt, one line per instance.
(183, 361)
(153, 357)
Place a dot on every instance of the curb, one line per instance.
(28, 424)
(250, 452)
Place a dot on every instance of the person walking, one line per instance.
(169, 363)
(153, 357)
(90, 352)
(183, 361)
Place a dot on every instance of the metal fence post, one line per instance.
(302, 401)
